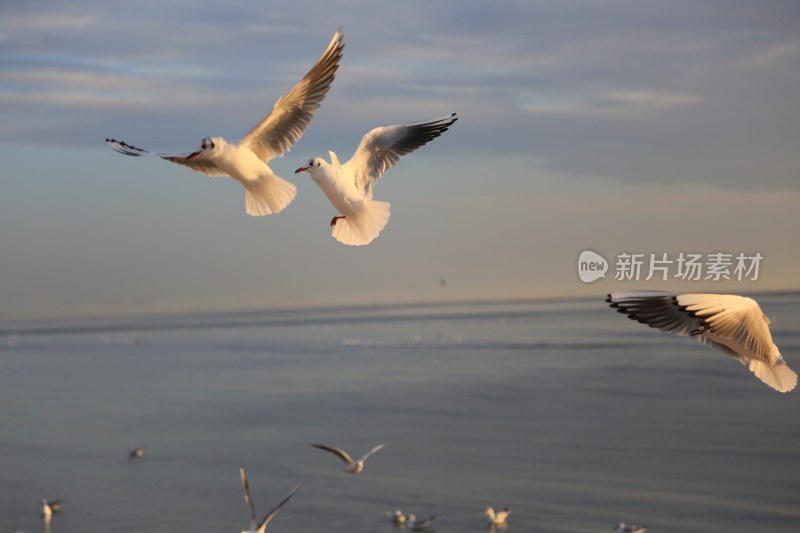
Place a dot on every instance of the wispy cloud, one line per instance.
(777, 54)
(619, 102)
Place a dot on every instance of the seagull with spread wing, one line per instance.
(246, 160)
(349, 186)
(497, 518)
(353, 467)
(733, 324)
(255, 526)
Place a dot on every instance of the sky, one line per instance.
(616, 126)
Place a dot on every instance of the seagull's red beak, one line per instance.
(301, 169)
(188, 157)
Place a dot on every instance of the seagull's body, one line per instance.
(136, 453)
(622, 527)
(353, 467)
(398, 517)
(246, 160)
(349, 186)
(261, 527)
(50, 507)
(418, 525)
(497, 518)
(733, 324)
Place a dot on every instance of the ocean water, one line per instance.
(565, 411)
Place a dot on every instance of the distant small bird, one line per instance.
(622, 527)
(353, 467)
(246, 161)
(255, 526)
(418, 525)
(497, 518)
(50, 507)
(736, 325)
(136, 453)
(397, 517)
(349, 186)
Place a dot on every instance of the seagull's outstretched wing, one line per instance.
(373, 450)
(419, 525)
(341, 454)
(292, 113)
(657, 309)
(382, 147)
(200, 164)
(270, 515)
(249, 500)
(732, 317)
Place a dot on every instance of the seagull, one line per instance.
(245, 160)
(622, 527)
(349, 186)
(497, 518)
(255, 526)
(353, 467)
(414, 525)
(50, 507)
(397, 517)
(136, 453)
(733, 324)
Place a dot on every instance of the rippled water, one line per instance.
(565, 411)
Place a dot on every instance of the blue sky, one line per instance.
(610, 125)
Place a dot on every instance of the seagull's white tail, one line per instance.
(363, 227)
(268, 195)
(780, 377)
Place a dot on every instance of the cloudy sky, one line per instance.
(611, 125)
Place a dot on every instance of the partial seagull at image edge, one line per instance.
(733, 324)
(255, 526)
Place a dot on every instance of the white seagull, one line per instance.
(398, 518)
(353, 467)
(733, 324)
(50, 507)
(255, 526)
(136, 453)
(349, 186)
(497, 518)
(622, 527)
(245, 161)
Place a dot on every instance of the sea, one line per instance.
(564, 411)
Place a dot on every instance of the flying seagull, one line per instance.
(733, 324)
(246, 160)
(353, 467)
(349, 186)
(255, 526)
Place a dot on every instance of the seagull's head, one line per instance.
(311, 166)
(207, 146)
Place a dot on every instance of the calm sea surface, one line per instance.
(565, 411)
